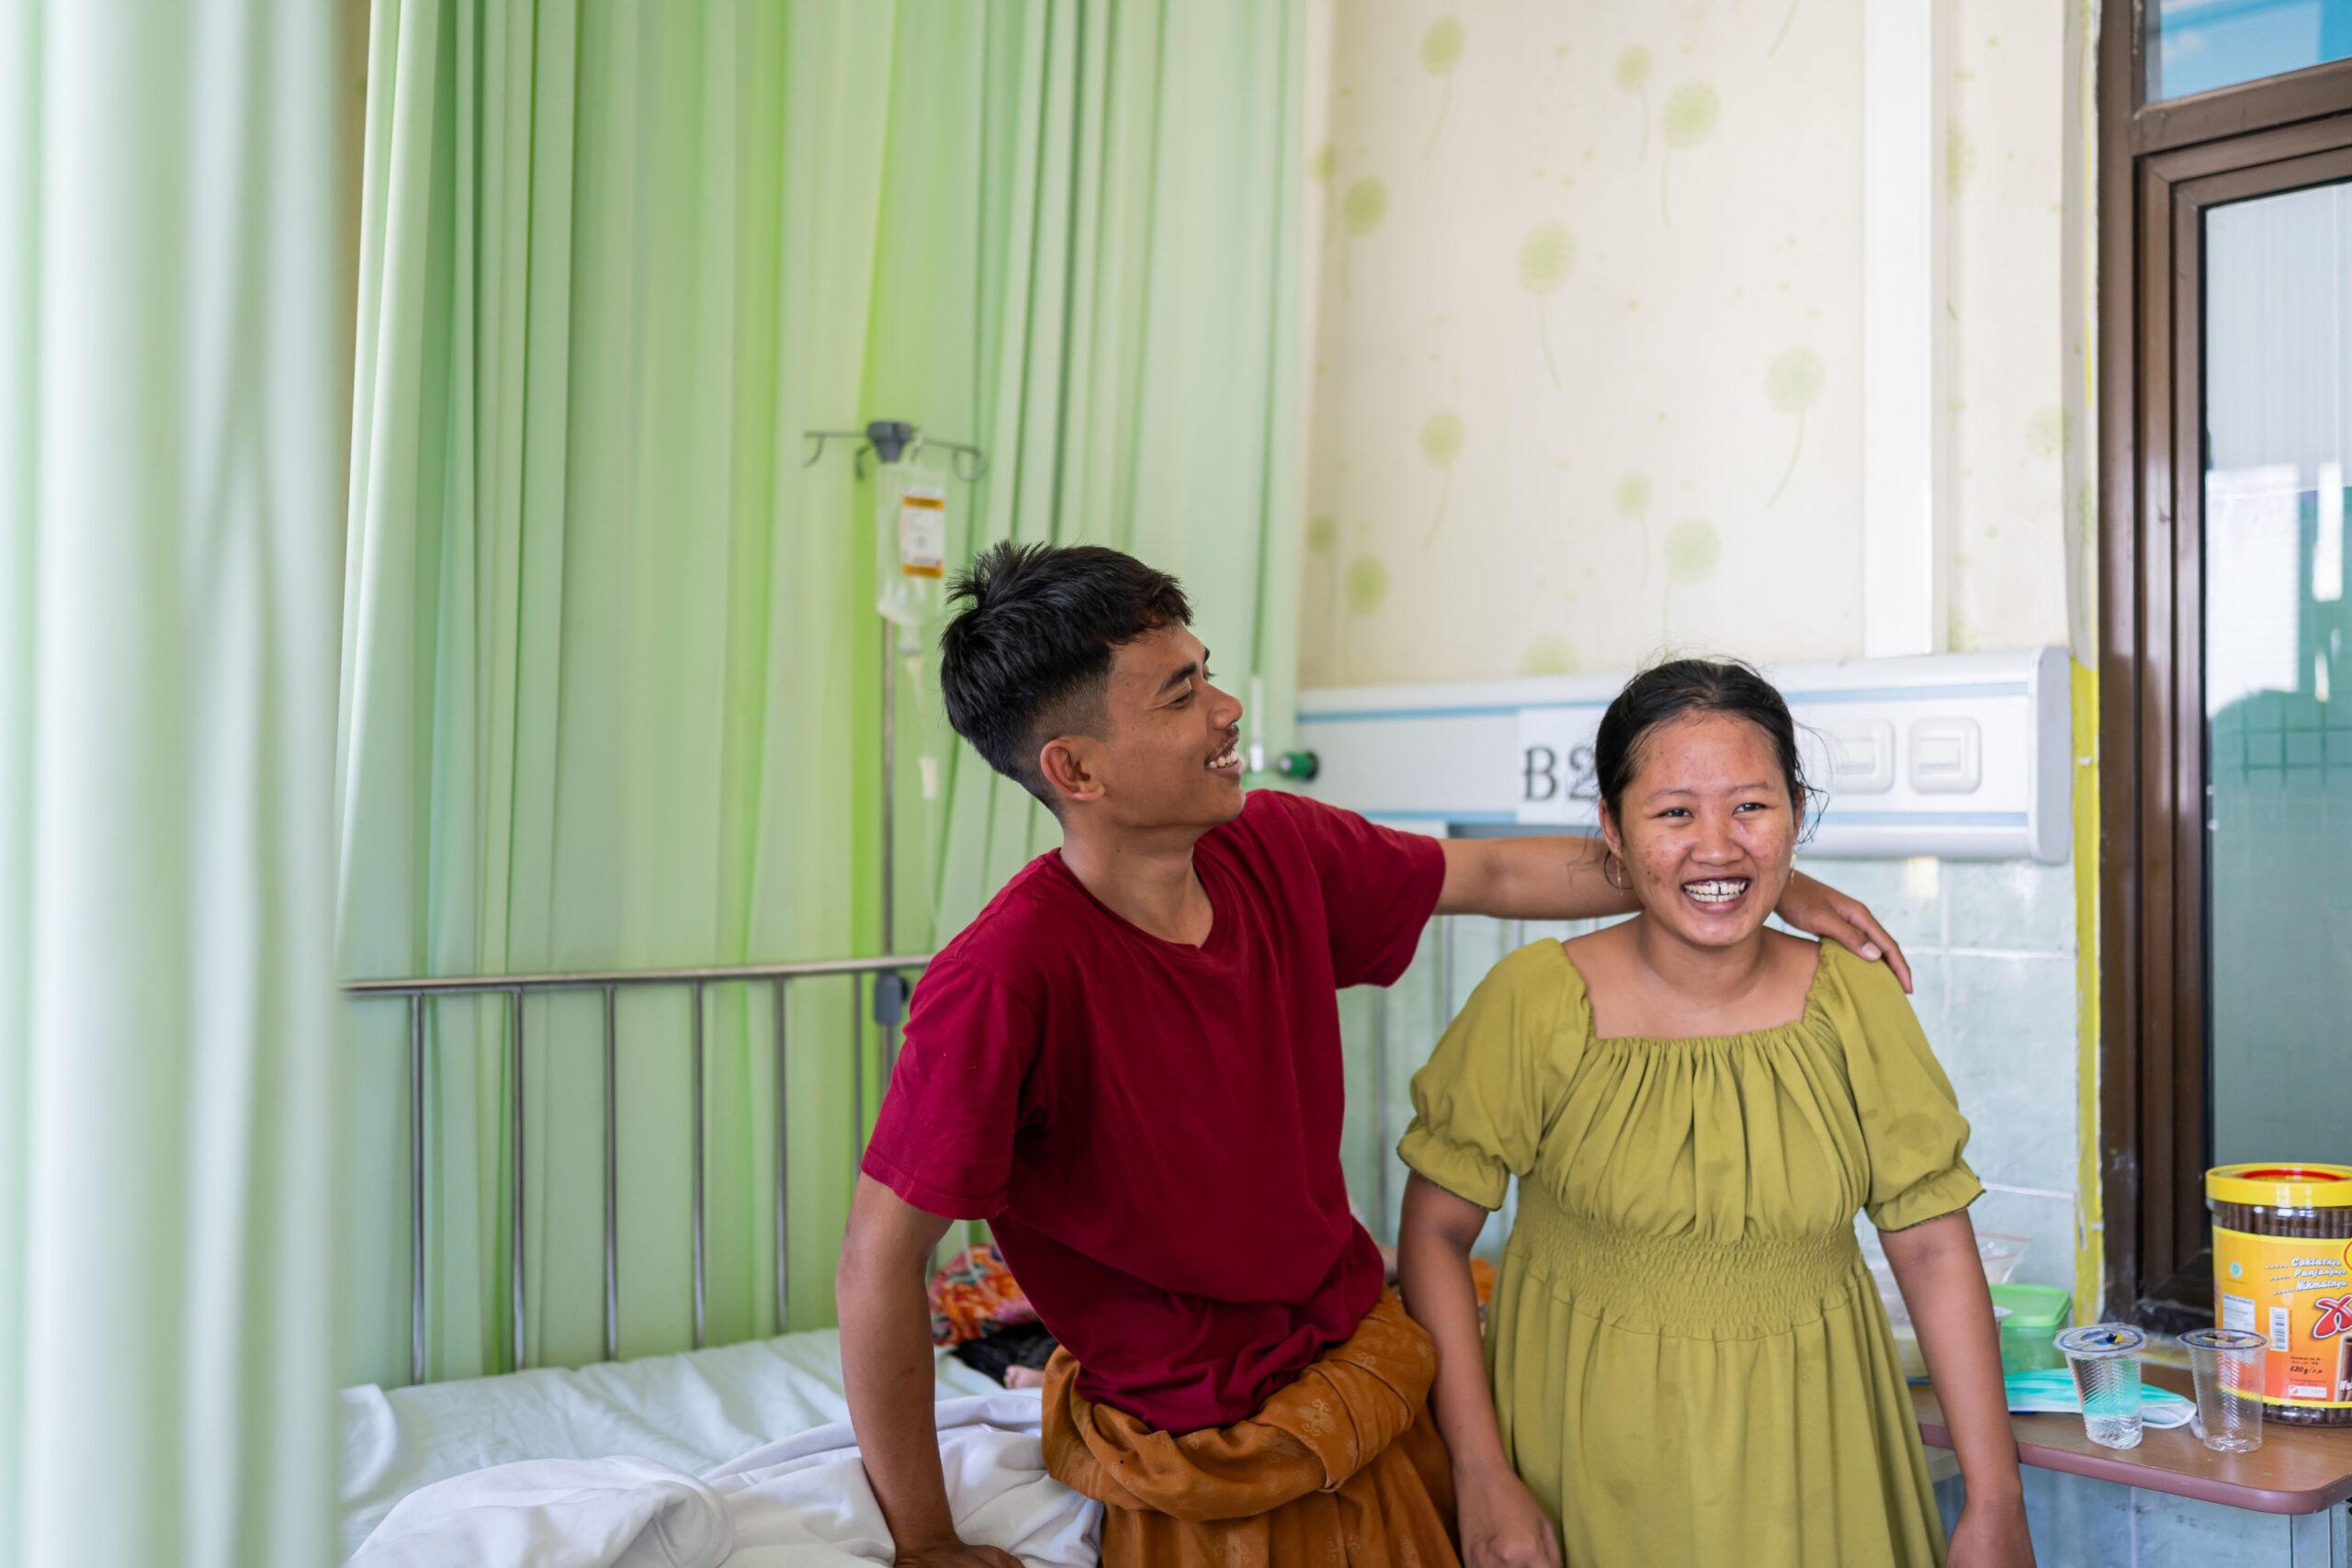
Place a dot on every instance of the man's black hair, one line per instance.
(1028, 656)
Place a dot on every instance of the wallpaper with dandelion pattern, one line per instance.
(1584, 362)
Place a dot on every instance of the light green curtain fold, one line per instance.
(172, 375)
(612, 671)
(597, 641)
(1134, 364)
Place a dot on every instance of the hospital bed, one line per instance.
(709, 1406)
(695, 1412)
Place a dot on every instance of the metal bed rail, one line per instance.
(888, 996)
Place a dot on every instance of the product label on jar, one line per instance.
(2296, 1292)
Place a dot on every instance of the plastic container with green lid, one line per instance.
(2030, 1331)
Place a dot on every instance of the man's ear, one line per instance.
(1062, 762)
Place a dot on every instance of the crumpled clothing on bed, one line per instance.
(803, 1502)
(975, 1295)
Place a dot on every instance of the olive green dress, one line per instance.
(1689, 1361)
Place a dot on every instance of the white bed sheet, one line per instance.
(692, 1410)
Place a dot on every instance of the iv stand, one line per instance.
(889, 441)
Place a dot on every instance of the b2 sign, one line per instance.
(1557, 781)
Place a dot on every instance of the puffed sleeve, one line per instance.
(1481, 1101)
(1912, 1127)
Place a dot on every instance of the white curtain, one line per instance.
(173, 335)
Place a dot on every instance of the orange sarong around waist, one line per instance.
(1343, 1466)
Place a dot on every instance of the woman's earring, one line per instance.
(1611, 869)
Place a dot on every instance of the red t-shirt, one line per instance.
(1153, 1129)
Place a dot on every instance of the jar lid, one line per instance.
(2222, 1339)
(2281, 1186)
(2096, 1340)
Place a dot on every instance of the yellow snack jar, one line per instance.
(2282, 1267)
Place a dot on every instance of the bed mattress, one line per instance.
(692, 1410)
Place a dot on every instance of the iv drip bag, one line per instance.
(911, 545)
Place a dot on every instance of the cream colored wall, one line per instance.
(2020, 315)
(1585, 357)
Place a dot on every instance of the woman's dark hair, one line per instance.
(1029, 654)
(1676, 690)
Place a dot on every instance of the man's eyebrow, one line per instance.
(1181, 677)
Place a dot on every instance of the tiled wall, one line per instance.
(1992, 944)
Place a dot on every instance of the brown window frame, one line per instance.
(2160, 168)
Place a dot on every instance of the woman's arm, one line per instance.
(1502, 1524)
(1942, 1280)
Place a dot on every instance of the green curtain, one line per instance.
(612, 669)
(172, 386)
(1134, 340)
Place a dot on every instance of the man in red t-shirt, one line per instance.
(1130, 1064)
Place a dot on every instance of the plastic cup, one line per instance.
(2105, 1360)
(2227, 1366)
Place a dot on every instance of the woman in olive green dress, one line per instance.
(1687, 1361)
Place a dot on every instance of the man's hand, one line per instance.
(1823, 911)
(956, 1555)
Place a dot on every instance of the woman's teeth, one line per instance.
(1229, 758)
(1717, 890)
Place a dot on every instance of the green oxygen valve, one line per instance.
(1299, 765)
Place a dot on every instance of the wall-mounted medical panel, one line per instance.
(1962, 754)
